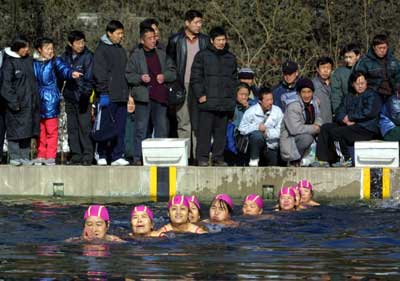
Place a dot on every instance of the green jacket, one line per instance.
(339, 85)
(137, 66)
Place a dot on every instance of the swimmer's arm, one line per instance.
(114, 238)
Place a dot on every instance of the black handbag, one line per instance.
(104, 127)
(242, 142)
(176, 93)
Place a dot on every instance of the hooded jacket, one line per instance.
(77, 89)
(19, 91)
(214, 75)
(109, 70)
(46, 72)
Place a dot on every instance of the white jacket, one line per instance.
(272, 119)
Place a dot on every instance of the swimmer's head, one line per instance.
(142, 220)
(178, 210)
(97, 221)
(306, 190)
(287, 199)
(194, 209)
(253, 205)
(221, 208)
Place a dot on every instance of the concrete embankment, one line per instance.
(158, 183)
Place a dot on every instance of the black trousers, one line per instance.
(79, 127)
(345, 135)
(211, 124)
(2, 131)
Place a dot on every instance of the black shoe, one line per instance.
(74, 162)
(137, 163)
(202, 164)
(220, 163)
(86, 163)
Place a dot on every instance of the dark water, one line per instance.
(352, 241)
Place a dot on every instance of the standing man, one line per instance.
(322, 86)
(76, 95)
(182, 48)
(285, 91)
(111, 87)
(148, 69)
(340, 77)
(213, 82)
(382, 69)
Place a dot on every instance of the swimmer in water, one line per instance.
(194, 209)
(252, 205)
(221, 210)
(306, 195)
(142, 222)
(178, 212)
(287, 200)
(97, 223)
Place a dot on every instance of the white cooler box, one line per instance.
(165, 152)
(376, 154)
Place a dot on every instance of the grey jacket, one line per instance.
(137, 66)
(293, 124)
(323, 93)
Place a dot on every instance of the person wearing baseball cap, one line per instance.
(246, 75)
(286, 89)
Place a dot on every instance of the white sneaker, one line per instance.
(50, 162)
(102, 162)
(254, 162)
(120, 162)
(38, 161)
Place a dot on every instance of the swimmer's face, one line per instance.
(194, 214)
(219, 211)
(286, 202)
(250, 208)
(141, 223)
(305, 195)
(178, 214)
(95, 228)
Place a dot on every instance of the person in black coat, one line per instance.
(76, 95)
(19, 91)
(213, 82)
(357, 119)
(109, 65)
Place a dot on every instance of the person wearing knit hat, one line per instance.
(178, 213)
(246, 75)
(301, 124)
(286, 89)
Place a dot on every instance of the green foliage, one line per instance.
(262, 33)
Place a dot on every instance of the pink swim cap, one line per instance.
(225, 198)
(287, 191)
(305, 184)
(97, 211)
(178, 200)
(194, 200)
(142, 208)
(256, 199)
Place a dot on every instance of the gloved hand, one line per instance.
(104, 100)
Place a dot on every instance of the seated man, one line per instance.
(357, 120)
(262, 123)
(301, 123)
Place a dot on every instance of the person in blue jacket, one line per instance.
(47, 67)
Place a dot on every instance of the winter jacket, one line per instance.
(272, 120)
(109, 70)
(177, 51)
(293, 124)
(19, 91)
(77, 89)
(374, 70)
(323, 93)
(389, 117)
(46, 72)
(214, 75)
(339, 86)
(137, 66)
(280, 90)
(362, 109)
